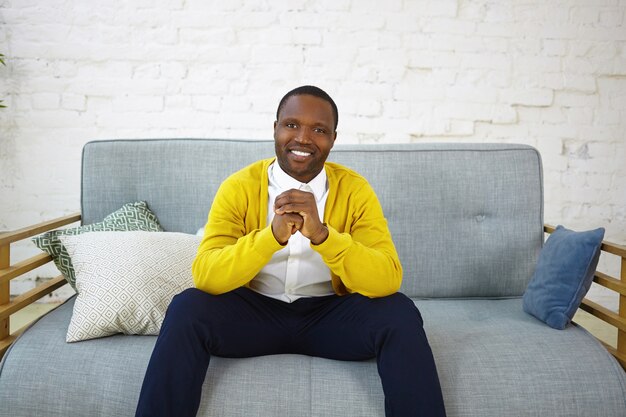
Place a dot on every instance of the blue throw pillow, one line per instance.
(563, 275)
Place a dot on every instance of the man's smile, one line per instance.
(298, 155)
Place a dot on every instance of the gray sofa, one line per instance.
(467, 220)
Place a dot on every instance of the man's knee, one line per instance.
(187, 304)
(401, 310)
(192, 295)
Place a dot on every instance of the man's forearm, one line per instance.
(372, 271)
(221, 267)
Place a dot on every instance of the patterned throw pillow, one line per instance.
(126, 280)
(132, 216)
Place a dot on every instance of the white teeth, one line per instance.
(301, 153)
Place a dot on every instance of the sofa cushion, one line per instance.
(563, 275)
(126, 280)
(131, 216)
(466, 219)
(493, 360)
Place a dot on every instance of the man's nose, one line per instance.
(303, 136)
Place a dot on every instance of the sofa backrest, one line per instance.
(467, 219)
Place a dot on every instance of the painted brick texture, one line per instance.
(548, 74)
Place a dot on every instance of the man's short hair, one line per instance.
(311, 91)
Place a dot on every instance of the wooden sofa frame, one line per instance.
(9, 272)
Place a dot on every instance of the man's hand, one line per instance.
(301, 204)
(285, 225)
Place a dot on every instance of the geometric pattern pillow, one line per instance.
(132, 216)
(126, 280)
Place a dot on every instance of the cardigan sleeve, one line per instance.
(228, 256)
(364, 257)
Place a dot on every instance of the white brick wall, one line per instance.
(549, 74)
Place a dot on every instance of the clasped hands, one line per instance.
(296, 210)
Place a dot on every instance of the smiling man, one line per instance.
(297, 257)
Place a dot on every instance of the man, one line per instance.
(297, 257)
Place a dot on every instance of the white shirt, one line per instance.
(295, 271)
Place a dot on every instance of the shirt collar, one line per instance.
(287, 182)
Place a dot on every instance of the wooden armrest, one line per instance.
(609, 247)
(609, 282)
(9, 272)
(23, 301)
(615, 319)
(31, 296)
(26, 232)
(6, 343)
(23, 267)
(603, 314)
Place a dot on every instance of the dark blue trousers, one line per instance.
(352, 327)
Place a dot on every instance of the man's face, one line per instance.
(304, 134)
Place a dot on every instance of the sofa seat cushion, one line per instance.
(496, 360)
(492, 358)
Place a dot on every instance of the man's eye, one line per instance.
(319, 130)
(291, 125)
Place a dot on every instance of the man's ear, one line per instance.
(275, 124)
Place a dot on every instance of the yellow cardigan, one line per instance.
(237, 243)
